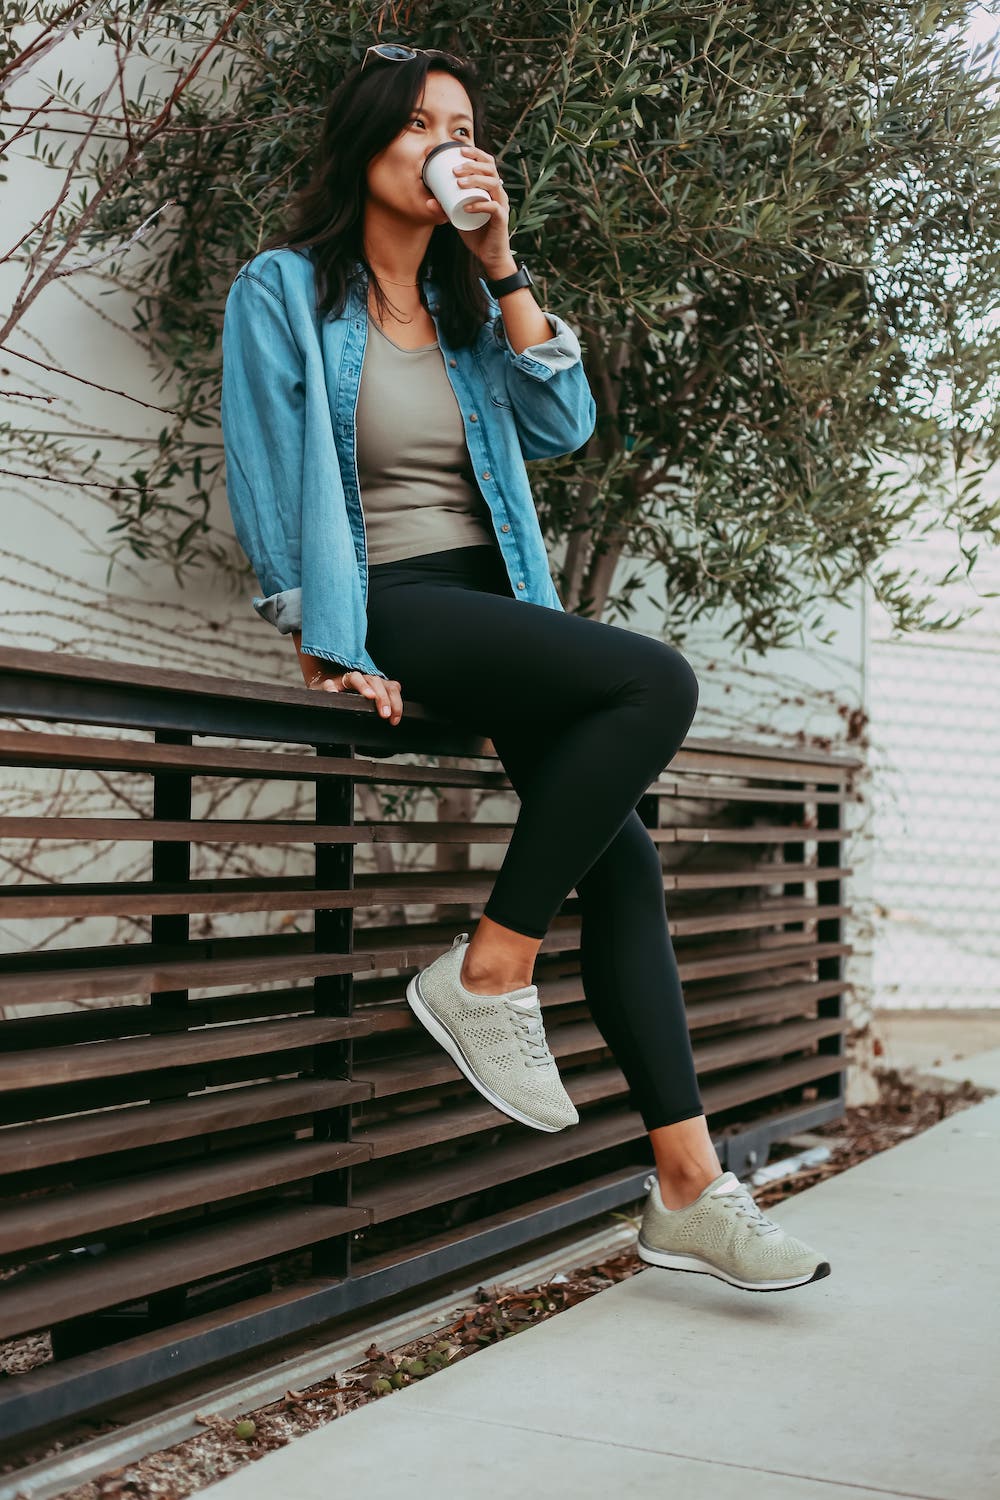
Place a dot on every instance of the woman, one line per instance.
(374, 351)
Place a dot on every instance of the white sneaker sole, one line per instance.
(452, 1046)
(673, 1261)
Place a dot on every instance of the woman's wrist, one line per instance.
(314, 668)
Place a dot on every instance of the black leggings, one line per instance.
(584, 716)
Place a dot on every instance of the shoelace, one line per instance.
(742, 1201)
(531, 1034)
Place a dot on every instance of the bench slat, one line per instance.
(71, 1216)
(48, 1066)
(45, 1295)
(46, 1143)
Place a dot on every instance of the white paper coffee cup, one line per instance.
(439, 178)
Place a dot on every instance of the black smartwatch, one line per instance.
(521, 277)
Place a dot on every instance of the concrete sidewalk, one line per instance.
(881, 1380)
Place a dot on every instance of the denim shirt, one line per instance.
(290, 383)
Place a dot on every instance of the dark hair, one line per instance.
(366, 112)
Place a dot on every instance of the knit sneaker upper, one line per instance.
(502, 1038)
(725, 1226)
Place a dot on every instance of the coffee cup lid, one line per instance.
(441, 146)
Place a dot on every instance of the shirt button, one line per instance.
(486, 473)
(505, 527)
(453, 363)
(473, 417)
(520, 584)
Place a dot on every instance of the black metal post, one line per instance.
(334, 996)
(830, 930)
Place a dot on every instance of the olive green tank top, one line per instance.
(418, 490)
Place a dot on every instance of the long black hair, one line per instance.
(366, 112)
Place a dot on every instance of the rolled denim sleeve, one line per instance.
(262, 412)
(283, 610)
(553, 405)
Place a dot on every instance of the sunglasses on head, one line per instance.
(393, 52)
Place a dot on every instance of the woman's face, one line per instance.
(443, 113)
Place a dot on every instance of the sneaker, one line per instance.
(498, 1041)
(723, 1233)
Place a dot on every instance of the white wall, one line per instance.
(935, 728)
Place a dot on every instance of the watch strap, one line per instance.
(520, 277)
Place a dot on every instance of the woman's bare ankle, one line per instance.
(491, 981)
(681, 1192)
(686, 1160)
(498, 959)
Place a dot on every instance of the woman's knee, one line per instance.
(671, 685)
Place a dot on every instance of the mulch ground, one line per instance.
(906, 1106)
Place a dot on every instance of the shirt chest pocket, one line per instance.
(491, 362)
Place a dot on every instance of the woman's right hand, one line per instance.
(385, 691)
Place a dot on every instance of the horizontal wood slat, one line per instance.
(85, 752)
(755, 875)
(757, 1084)
(263, 831)
(760, 958)
(137, 979)
(356, 715)
(90, 973)
(762, 916)
(148, 898)
(776, 1001)
(70, 1216)
(786, 833)
(45, 1295)
(267, 831)
(107, 1022)
(52, 984)
(738, 758)
(46, 1143)
(224, 831)
(764, 1043)
(180, 1049)
(396, 945)
(686, 787)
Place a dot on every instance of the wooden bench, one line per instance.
(187, 1176)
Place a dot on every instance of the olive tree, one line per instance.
(773, 226)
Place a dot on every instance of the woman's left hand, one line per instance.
(490, 242)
